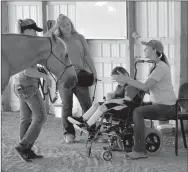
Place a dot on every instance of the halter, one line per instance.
(66, 67)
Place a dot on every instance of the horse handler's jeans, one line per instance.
(32, 115)
(153, 112)
(82, 93)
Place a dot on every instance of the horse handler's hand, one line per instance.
(122, 78)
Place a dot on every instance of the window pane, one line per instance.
(101, 20)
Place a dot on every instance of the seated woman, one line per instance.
(121, 98)
(162, 95)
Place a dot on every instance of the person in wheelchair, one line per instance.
(121, 98)
(162, 96)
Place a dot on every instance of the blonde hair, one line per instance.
(62, 17)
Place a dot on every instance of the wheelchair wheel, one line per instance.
(107, 155)
(154, 141)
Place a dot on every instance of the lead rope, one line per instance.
(48, 92)
(56, 89)
(93, 98)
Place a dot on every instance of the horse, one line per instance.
(22, 51)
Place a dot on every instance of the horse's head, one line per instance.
(65, 72)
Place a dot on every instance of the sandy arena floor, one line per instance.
(61, 157)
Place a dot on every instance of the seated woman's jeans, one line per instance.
(153, 112)
(32, 114)
(82, 93)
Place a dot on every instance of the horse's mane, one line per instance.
(21, 35)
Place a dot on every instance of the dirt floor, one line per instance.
(61, 157)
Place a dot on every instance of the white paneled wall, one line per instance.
(56, 8)
(155, 19)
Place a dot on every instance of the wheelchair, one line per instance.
(119, 129)
(123, 135)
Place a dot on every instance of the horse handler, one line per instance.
(32, 108)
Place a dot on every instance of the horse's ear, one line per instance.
(55, 38)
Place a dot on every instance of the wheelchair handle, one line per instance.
(143, 61)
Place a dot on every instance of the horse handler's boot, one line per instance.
(33, 155)
(22, 154)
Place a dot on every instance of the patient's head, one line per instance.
(115, 73)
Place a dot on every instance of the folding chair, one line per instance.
(181, 114)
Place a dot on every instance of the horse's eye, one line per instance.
(66, 56)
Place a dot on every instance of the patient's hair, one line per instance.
(120, 69)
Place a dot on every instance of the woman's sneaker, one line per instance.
(69, 138)
(136, 155)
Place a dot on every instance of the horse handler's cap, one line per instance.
(30, 24)
(155, 44)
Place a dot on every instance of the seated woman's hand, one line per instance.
(122, 78)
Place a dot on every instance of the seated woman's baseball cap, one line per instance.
(30, 24)
(154, 44)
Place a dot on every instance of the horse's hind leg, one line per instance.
(5, 74)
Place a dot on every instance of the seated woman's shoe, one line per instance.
(136, 155)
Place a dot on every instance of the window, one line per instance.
(101, 20)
